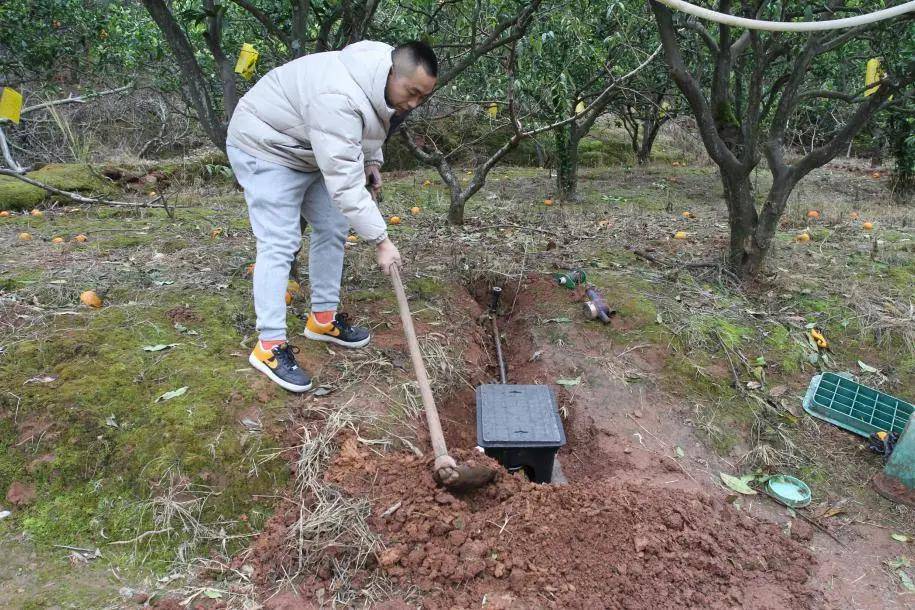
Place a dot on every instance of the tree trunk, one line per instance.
(194, 82)
(566, 163)
(752, 232)
(456, 209)
(649, 133)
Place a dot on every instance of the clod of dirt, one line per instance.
(582, 545)
(20, 494)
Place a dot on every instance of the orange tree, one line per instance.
(745, 87)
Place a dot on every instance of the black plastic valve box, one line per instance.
(519, 425)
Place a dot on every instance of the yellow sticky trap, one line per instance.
(579, 107)
(872, 75)
(492, 110)
(247, 61)
(10, 104)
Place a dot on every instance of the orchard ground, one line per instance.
(230, 491)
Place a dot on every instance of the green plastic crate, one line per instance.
(855, 407)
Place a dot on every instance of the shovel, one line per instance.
(447, 472)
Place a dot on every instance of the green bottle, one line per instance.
(571, 279)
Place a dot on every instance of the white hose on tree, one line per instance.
(789, 26)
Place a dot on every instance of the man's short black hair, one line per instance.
(417, 53)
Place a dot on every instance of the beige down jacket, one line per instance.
(324, 112)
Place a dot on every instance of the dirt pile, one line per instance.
(599, 544)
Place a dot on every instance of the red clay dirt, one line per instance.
(592, 544)
(632, 530)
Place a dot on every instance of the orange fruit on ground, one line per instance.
(288, 298)
(854, 216)
(80, 238)
(414, 210)
(5, 214)
(680, 235)
(688, 215)
(875, 175)
(36, 212)
(802, 237)
(57, 240)
(152, 193)
(90, 299)
(868, 226)
(427, 183)
(394, 220)
(215, 233)
(25, 236)
(352, 239)
(547, 202)
(813, 214)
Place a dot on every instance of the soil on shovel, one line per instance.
(594, 544)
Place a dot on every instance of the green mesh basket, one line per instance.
(855, 407)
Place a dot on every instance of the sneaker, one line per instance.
(340, 331)
(279, 365)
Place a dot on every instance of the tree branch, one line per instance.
(494, 40)
(265, 20)
(715, 146)
(157, 202)
(72, 99)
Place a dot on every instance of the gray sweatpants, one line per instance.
(277, 197)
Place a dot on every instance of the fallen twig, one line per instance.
(510, 226)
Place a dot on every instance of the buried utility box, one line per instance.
(519, 425)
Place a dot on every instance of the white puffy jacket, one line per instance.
(324, 112)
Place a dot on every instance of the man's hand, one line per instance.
(373, 179)
(387, 256)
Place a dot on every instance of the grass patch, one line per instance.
(107, 444)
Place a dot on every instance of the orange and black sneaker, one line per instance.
(340, 331)
(279, 364)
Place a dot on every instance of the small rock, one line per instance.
(627, 450)
(139, 598)
(640, 543)
(637, 413)
(20, 494)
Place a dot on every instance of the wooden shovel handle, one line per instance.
(425, 390)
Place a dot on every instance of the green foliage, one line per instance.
(67, 41)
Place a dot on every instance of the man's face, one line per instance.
(404, 92)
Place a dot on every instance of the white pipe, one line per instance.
(790, 26)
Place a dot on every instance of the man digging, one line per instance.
(304, 142)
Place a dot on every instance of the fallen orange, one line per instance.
(854, 216)
(90, 299)
(395, 220)
(37, 213)
(57, 240)
(5, 214)
(25, 236)
(802, 237)
(80, 238)
(868, 226)
(680, 235)
(813, 214)
(352, 239)
(414, 210)
(547, 202)
(688, 215)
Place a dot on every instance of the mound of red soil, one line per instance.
(597, 544)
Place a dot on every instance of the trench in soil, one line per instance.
(458, 410)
